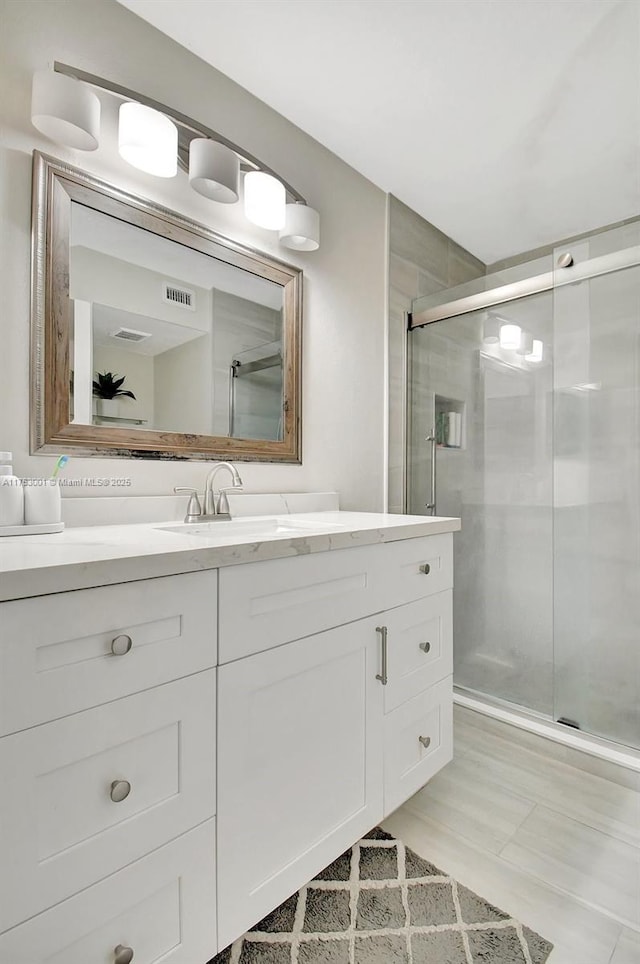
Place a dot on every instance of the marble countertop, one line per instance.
(103, 555)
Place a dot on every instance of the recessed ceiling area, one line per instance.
(509, 124)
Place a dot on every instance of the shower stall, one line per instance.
(523, 418)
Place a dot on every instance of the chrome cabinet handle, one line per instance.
(425, 569)
(121, 645)
(384, 676)
(120, 790)
(425, 740)
(425, 647)
(122, 954)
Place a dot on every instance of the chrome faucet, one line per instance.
(214, 507)
(218, 508)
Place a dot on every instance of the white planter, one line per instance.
(109, 407)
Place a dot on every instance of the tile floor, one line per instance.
(521, 823)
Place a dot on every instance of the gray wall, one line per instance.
(344, 290)
(422, 261)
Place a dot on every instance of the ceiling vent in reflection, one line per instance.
(182, 297)
(130, 334)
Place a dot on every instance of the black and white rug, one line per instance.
(379, 903)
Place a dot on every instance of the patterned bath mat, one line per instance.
(379, 903)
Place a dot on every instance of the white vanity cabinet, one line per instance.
(323, 733)
(180, 754)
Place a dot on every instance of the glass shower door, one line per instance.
(490, 409)
(597, 499)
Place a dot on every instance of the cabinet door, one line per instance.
(299, 766)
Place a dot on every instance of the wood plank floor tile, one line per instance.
(596, 868)
(478, 809)
(580, 935)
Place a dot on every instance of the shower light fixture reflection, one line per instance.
(526, 343)
(510, 336)
(490, 330)
(535, 355)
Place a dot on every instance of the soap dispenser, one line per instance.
(11, 493)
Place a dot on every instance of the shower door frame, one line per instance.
(564, 273)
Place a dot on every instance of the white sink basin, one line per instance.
(240, 528)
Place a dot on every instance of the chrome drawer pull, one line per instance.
(425, 568)
(121, 645)
(120, 790)
(122, 954)
(425, 740)
(425, 647)
(384, 676)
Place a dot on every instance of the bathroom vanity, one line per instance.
(184, 748)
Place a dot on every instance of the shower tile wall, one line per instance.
(422, 261)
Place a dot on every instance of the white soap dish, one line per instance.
(25, 530)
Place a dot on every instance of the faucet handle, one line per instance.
(194, 509)
(223, 502)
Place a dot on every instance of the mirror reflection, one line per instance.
(168, 339)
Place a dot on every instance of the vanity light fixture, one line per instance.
(65, 110)
(536, 353)
(148, 140)
(510, 336)
(214, 170)
(265, 200)
(158, 140)
(301, 229)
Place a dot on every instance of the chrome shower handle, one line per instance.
(431, 504)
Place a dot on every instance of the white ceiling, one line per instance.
(507, 123)
(164, 336)
(118, 239)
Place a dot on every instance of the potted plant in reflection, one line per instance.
(107, 390)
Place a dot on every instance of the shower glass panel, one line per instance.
(495, 471)
(536, 446)
(597, 496)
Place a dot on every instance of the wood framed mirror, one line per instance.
(196, 337)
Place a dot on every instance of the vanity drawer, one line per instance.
(408, 762)
(66, 819)
(162, 907)
(419, 645)
(56, 653)
(265, 604)
(414, 568)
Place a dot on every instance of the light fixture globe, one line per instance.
(536, 353)
(510, 336)
(301, 229)
(526, 343)
(148, 140)
(65, 110)
(214, 170)
(264, 200)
